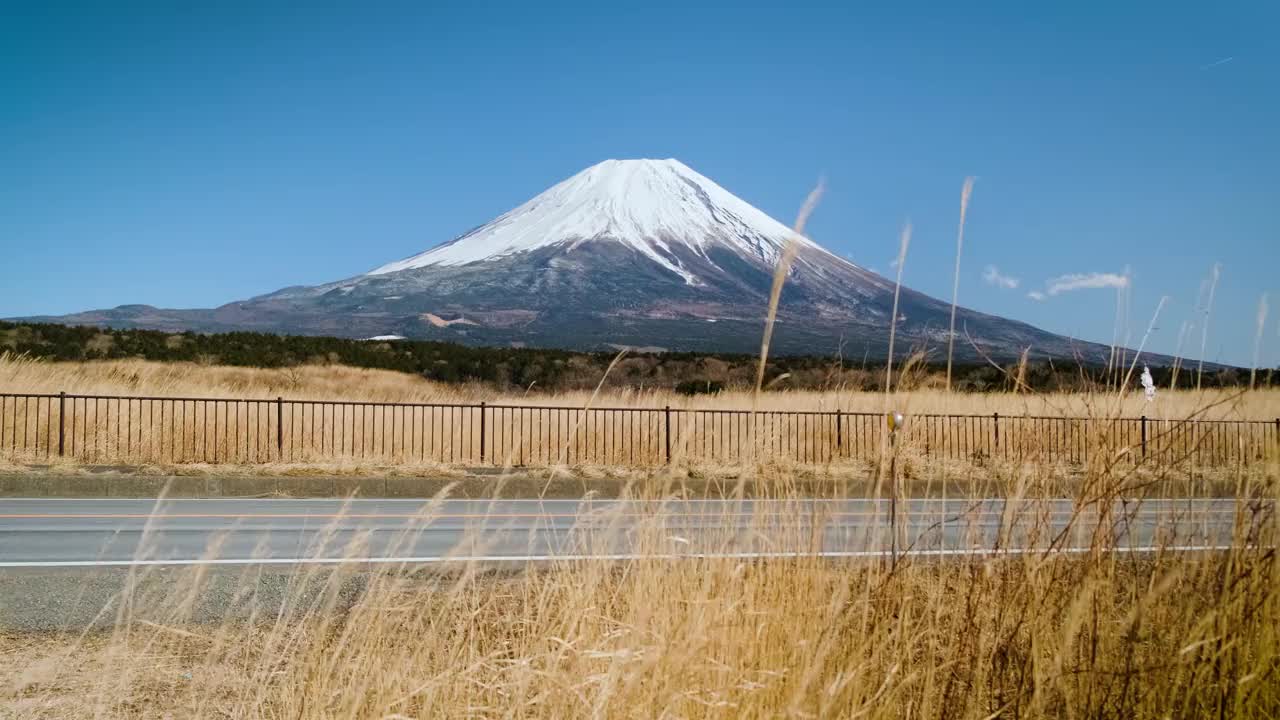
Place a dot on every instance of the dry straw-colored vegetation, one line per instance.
(1042, 634)
(363, 438)
(1098, 634)
(339, 382)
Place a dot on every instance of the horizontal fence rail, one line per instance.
(135, 429)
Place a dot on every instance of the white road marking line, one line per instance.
(597, 501)
(443, 559)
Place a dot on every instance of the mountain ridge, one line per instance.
(644, 253)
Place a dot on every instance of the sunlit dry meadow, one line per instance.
(334, 417)
(1049, 633)
(1171, 633)
(340, 382)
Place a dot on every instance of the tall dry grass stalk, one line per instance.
(580, 418)
(1020, 381)
(904, 240)
(780, 272)
(1177, 356)
(1115, 359)
(1126, 321)
(1123, 389)
(1257, 340)
(965, 192)
(888, 460)
(1204, 324)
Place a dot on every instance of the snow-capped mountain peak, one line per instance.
(647, 205)
(627, 253)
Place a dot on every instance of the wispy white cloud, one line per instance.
(1036, 295)
(1219, 61)
(1085, 281)
(992, 276)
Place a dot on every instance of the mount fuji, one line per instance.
(635, 253)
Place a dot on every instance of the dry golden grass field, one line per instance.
(1097, 634)
(351, 434)
(1170, 634)
(338, 382)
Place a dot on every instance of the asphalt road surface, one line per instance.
(71, 533)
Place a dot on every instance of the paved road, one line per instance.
(106, 532)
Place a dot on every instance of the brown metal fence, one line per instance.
(123, 429)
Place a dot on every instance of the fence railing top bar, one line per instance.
(673, 410)
(577, 408)
(286, 401)
(155, 398)
(358, 403)
(614, 409)
(737, 411)
(1003, 416)
(1080, 418)
(1223, 421)
(993, 416)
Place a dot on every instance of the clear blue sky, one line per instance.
(187, 155)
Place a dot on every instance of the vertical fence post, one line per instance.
(279, 428)
(62, 425)
(1144, 436)
(666, 412)
(893, 494)
(839, 433)
(482, 429)
(995, 425)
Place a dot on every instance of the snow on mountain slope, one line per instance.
(648, 205)
(645, 253)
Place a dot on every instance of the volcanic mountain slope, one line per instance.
(625, 253)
